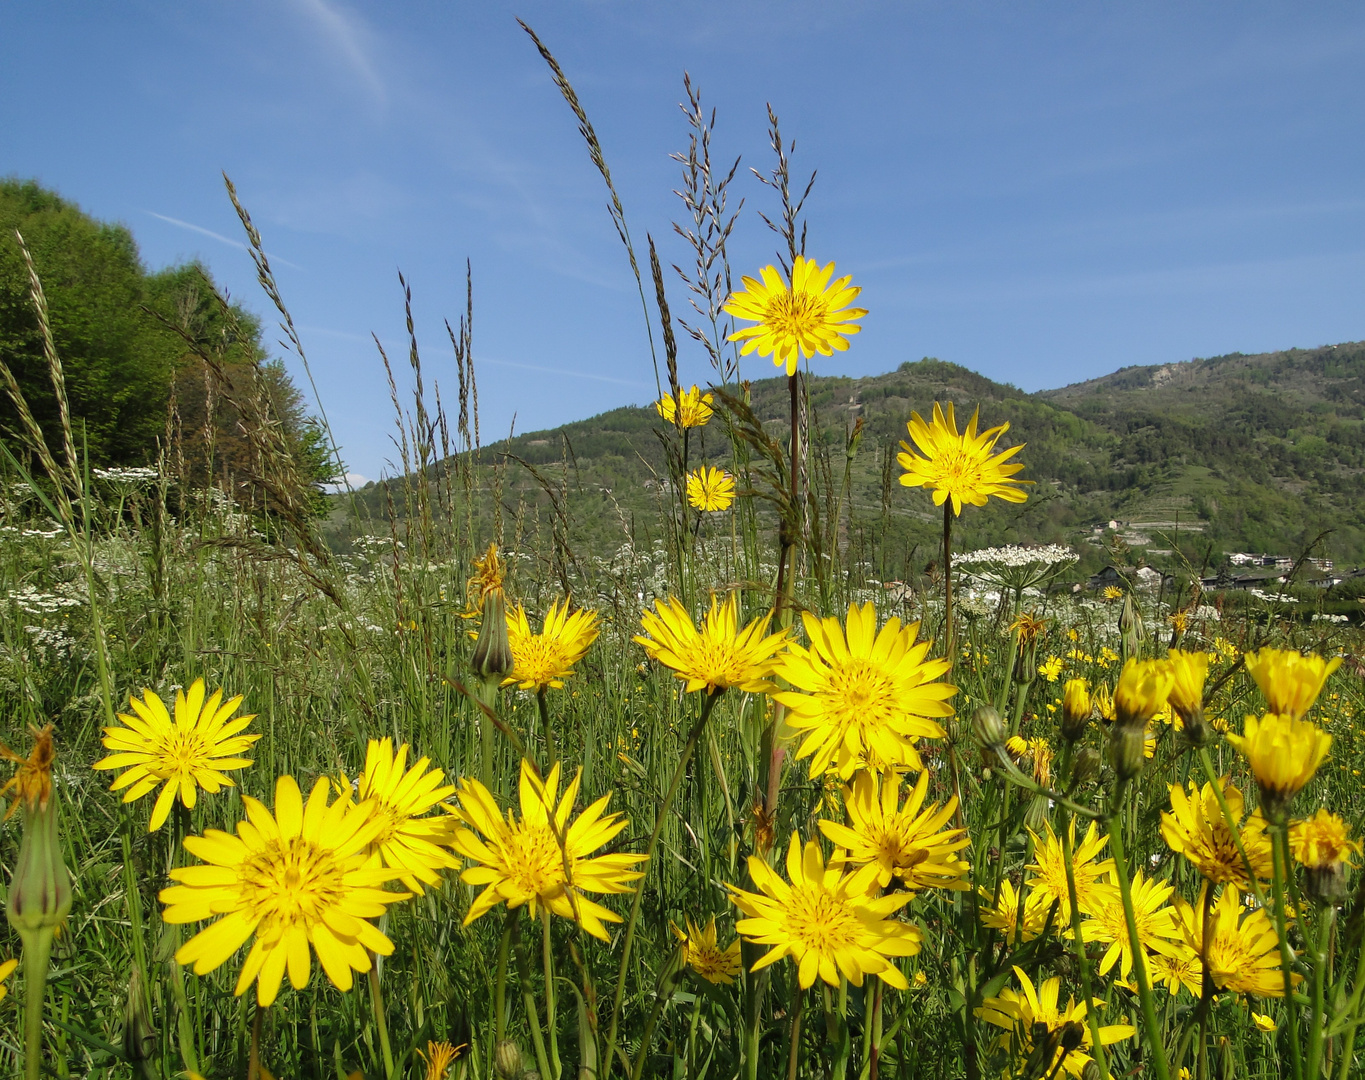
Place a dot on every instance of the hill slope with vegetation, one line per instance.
(1193, 460)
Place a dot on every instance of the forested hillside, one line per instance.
(1234, 453)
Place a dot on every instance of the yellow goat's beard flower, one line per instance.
(1290, 681)
(296, 878)
(810, 317)
(963, 468)
(1284, 754)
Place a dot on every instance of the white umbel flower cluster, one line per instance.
(1017, 555)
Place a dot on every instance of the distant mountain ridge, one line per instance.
(1232, 453)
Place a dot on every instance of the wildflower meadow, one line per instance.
(433, 794)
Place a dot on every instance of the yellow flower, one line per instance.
(810, 317)
(1038, 751)
(710, 489)
(1028, 626)
(547, 659)
(718, 656)
(543, 859)
(407, 842)
(1264, 1023)
(1243, 953)
(31, 784)
(959, 467)
(6, 970)
(1051, 668)
(704, 956)
(906, 843)
(1104, 704)
(1049, 871)
(1144, 686)
(825, 920)
(1155, 919)
(859, 692)
(1180, 621)
(1195, 827)
(488, 577)
(439, 1056)
(1112, 592)
(691, 409)
(1283, 753)
(1322, 841)
(1002, 912)
(190, 752)
(1020, 1014)
(294, 878)
(1176, 967)
(1289, 680)
(1189, 670)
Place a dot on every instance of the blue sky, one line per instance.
(1042, 192)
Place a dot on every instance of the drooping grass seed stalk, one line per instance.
(1149, 1019)
(660, 818)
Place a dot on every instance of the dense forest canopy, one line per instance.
(133, 344)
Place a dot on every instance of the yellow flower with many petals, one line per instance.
(704, 956)
(1195, 827)
(860, 693)
(544, 859)
(1188, 670)
(1283, 753)
(547, 659)
(192, 751)
(1322, 841)
(1038, 751)
(691, 409)
(1020, 1014)
(963, 468)
(1049, 871)
(294, 878)
(809, 318)
(1002, 912)
(825, 920)
(1290, 681)
(909, 843)
(1112, 592)
(1155, 919)
(408, 842)
(718, 656)
(710, 489)
(1243, 952)
(1176, 967)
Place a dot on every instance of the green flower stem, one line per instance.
(1149, 1020)
(500, 982)
(1279, 843)
(543, 705)
(1353, 1008)
(548, 958)
(794, 1049)
(381, 1021)
(1092, 1018)
(694, 735)
(528, 1000)
(37, 951)
(948, 643)
(1328, 915)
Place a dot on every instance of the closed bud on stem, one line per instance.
(988, 728)
(1085, 767)
(1326, 885)
(1075, 709)
(1091, 1071)
(507, 1060)
(139, 1034)
(1126, 751)
(492, 660)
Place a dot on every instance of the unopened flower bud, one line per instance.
(1085, 767)
(492, 659)
(507, 1060)
(1091, 1071)
(1075, 709)
(40, 891)
(988, 728)
(1073, 1034)
(1326, 884)
(1127, 750)
(139, 1034)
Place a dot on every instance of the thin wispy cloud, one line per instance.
(563, 371)
(216, 236)
(346, 34)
